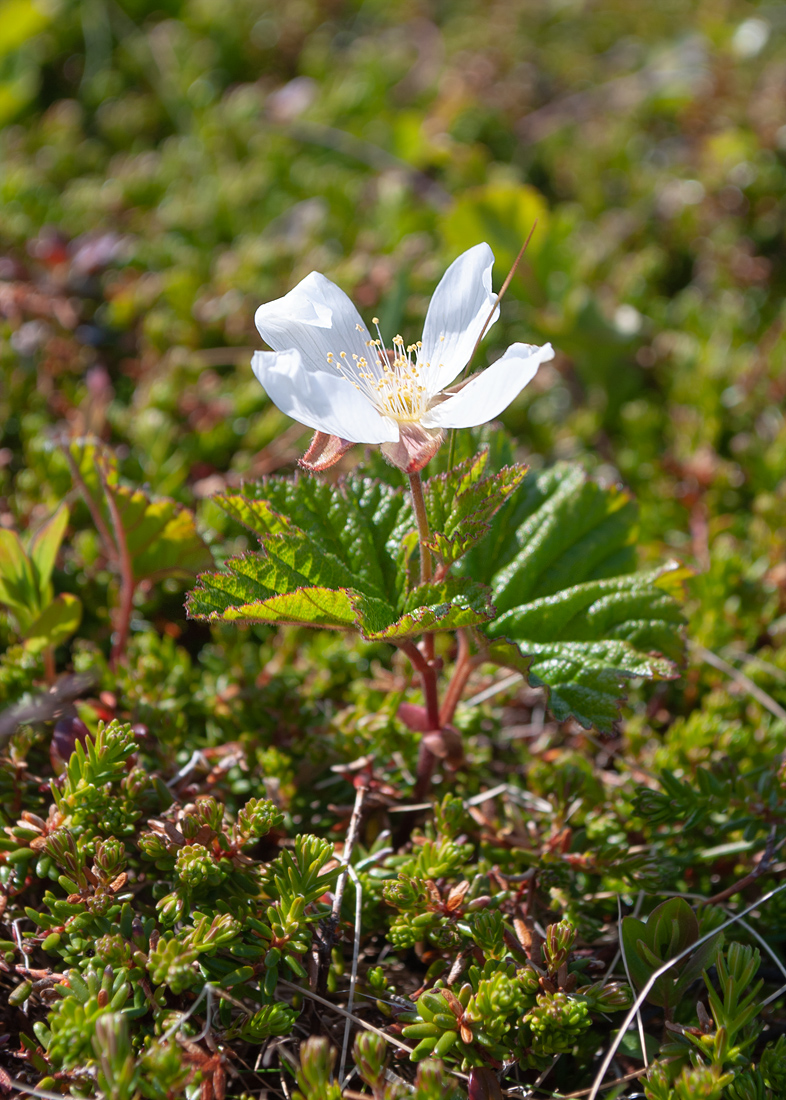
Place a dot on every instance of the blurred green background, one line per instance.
(165, 167)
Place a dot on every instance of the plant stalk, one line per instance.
(461, 673)
(126, 602)
(109, 545)
(419, 506)
(428, 679)
(50, 672)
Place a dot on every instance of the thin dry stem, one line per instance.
(761, 868)
(639, 1020)
(349, 844)
(759, 694)
(502, 290)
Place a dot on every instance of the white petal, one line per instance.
(492, 391)
(456, 315)
(320, 400)
(316, 317)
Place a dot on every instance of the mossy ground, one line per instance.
(166, 168)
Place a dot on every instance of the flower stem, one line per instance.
(451, 449)
(419, 506)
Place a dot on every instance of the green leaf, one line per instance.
(670, 929)
(161, 534)
(355, 522)
(18, 588)
(288, 586)
(560, 529)
(43, 550)
(593, 636)
(20, 20)
(454, 603)
(461, 503)
(55, 625)
(90, 460)
(342, 570)
(584, 638)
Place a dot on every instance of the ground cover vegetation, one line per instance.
(285, 811)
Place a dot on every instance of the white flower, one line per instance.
(330, 373)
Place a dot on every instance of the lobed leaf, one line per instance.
(343, 557)
(244, 594)
(583, 639)
(353, 521)
(461, 503)
(560, 529)
(346, 569)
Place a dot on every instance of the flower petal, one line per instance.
(456, 315)
(316, 317)
(486, 396)
(320, 400)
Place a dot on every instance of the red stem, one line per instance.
(50, 672)
(126, 603)
(428, 679)
(109, 547)
(423, 773)
(458, 682)
(424, 534)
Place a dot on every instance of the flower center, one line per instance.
(391, 379)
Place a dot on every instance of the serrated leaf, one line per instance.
(559, 529)
(55, 625)
(454, 603)
(247, 593)
(461, 503)
(630, 608)
(586, 638)
(343, 572)
(353, 521)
